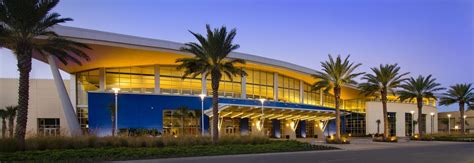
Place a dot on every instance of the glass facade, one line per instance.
(355, 124)
(354, 105)
(408, 124)
(259, 84)
(171, 82)
(86, 81)
(131, 79)
(181, 122)
(311, 97)
(288, 89)
(392, 123)
(227, 87)
(329, 100)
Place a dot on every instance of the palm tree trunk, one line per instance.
(337, 94)
(420, 106)
(24, 58)
(216, 77)
(385, 117)
(461, 110)
(11, 120)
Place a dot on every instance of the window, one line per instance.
(131, 79)
(392, 123)
(311, 97)
(48, 126)
(329, 100)
(408, 124)
(355, 124)
(227, 88)
(86, 81)
(259, 84)
(423, 123)
(171, 82)
(354, 105)
(288, 89)
(181, 122)
(83, 117)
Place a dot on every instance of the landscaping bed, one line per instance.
(445, 137)
(107, 150)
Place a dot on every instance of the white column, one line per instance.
(301, 91)
(102, 79)
(73, 91)
(157, 79)
(71, 118)
(204, 84)
(275, 86)
(244, 86)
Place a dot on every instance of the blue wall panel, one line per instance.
(276, 128)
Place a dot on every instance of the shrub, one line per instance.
(333, 140)
(392, 139)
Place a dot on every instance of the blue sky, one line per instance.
(422, 36)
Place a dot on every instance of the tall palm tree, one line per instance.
(461, 94)
(3, 116)
(419, 89)
(25, 29)
(11, 115)
(384, 80)
(334, 75)
(211, 57)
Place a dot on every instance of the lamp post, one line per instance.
(262, 100)
(202, 96)
(449, 123)
(412, 126)
(432, 124)
(116, 90)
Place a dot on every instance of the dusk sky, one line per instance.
(422, 36)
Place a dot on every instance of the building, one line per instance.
(154, 97)
(454, 120)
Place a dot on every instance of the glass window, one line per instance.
(49, 126)
(355, 124)
(181, 122)
(408, 124)
(131, 79)
(311, 97)
(288, 89)
(171, 82)
(392, 123)
(227, 88)
(329, 100)
(354, 105)
(83, 116)
(259, 84)
(86, 81)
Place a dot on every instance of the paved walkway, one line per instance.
(361, 150)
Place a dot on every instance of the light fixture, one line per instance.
(202, 96)
(116, 90)
(412, 112)
(432, 113)
(449, 115)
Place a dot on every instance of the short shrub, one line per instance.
(333, 140)
(392, 139)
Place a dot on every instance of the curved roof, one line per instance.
(114, 39)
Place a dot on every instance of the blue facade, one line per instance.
(145, 111)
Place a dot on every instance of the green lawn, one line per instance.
(128, 153)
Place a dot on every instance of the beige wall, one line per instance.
(374, 112)
(44, 101)
(456, 121)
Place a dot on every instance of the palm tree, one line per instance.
(211, 57)
(378, 125)
(112, 116)
(419, 89)
(461, 94)
(3, 116)
(384, 80)
(334, 75)
(25, 29)
(11, 115)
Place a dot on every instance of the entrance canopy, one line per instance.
(237, 108)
